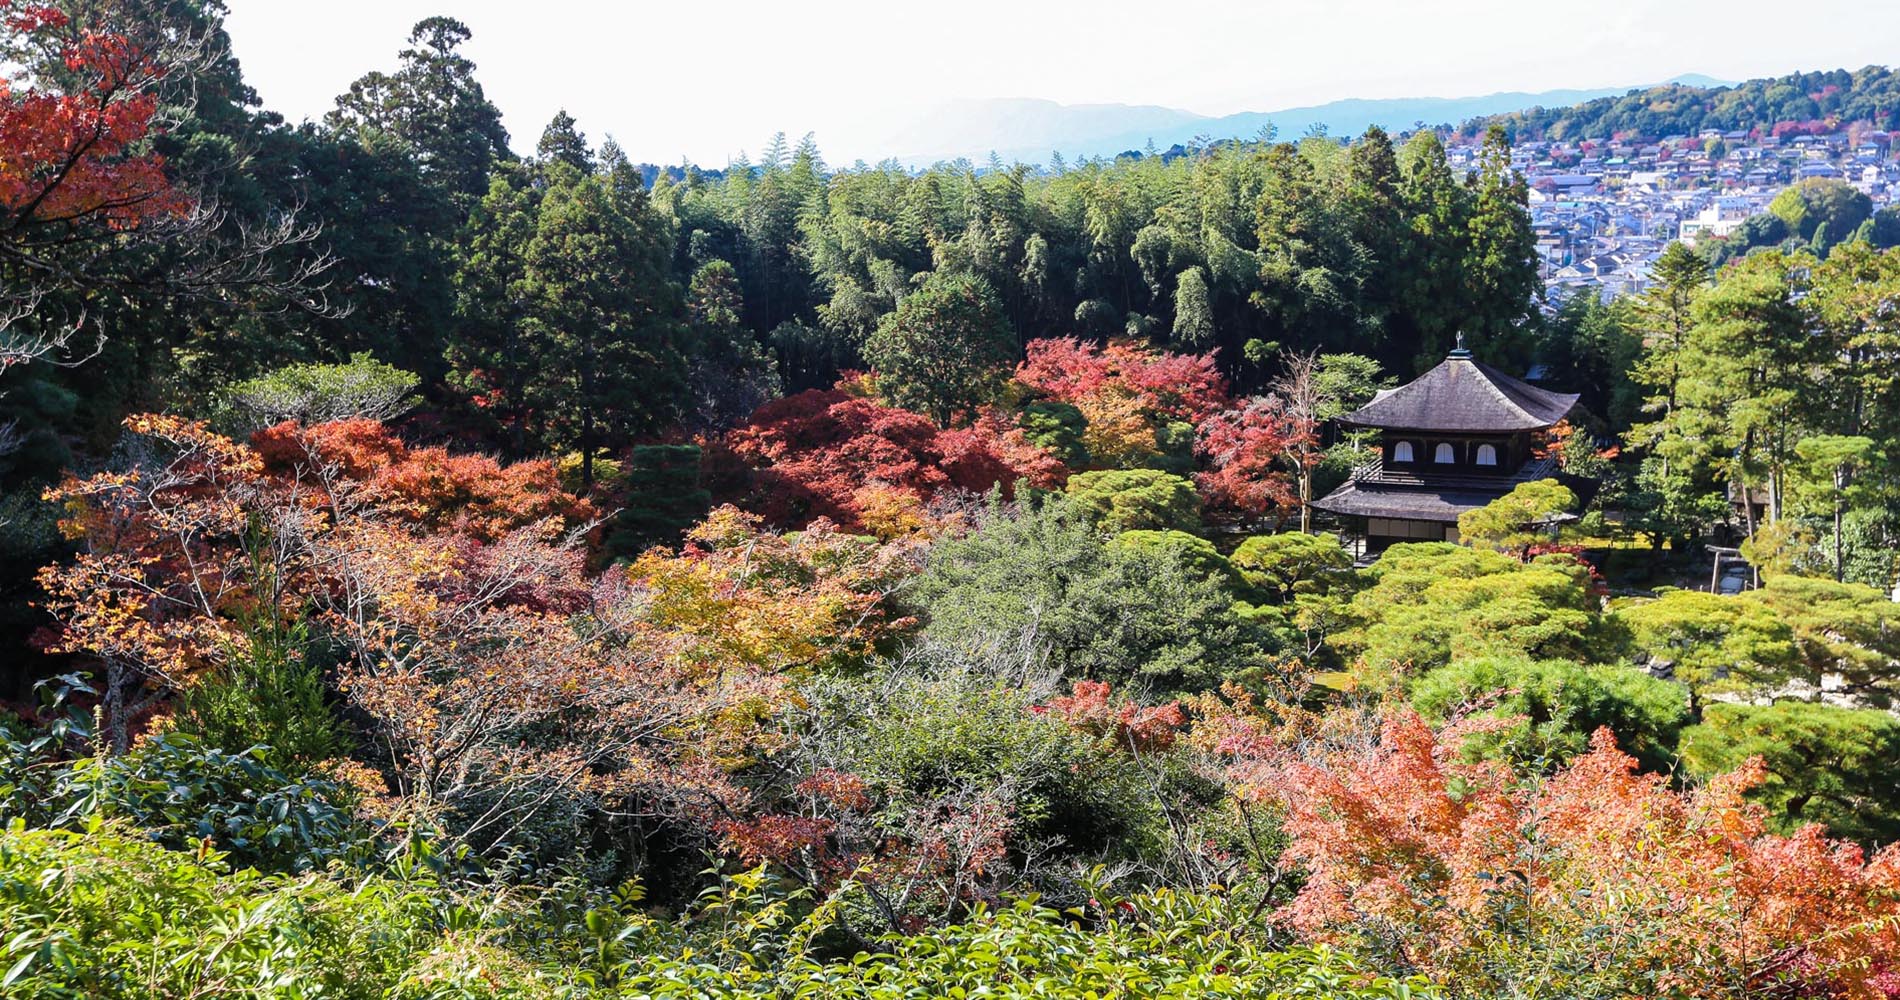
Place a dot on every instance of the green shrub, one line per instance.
(1561, 703)
(185, 793)
(1056, 427)
(1427, 604)
(103, 915)
(1127, 499)
(315, 393)
(1827, 765)
(1712, 643)
(1197, 554)
(1144, 947)
(181, 793)
(1174, 448)
(1044, 582)
(268, 698)
(662, 496)
(921, 739)
(1292, 563)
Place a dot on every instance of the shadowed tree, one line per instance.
(945, 349)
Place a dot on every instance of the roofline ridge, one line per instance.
(1397, 390)
(1572, 396)
(1497, 390)
(1503, 387)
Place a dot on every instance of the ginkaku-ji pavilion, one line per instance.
(1451, 440)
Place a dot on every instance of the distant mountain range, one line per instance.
(1028, 130)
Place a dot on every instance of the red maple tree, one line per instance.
(76, 167)
(836, 455)
(1185, 387)
(1251, 453)
(75, 152)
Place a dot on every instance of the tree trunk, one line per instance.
(587, 449)
(1840, 570)
(1306, 498)
(118, 730)
(1748, 504)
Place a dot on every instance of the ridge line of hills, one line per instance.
(1030, 129)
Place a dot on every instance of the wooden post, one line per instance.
(1717, 552)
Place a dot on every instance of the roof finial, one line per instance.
(1460, 351)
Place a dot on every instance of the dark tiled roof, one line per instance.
(1360, 500)
(1463, 394)
(1441, 502)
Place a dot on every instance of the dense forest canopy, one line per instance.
(433, 571)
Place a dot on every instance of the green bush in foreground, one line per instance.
(747, 941)
(182, 793)
(104, 915)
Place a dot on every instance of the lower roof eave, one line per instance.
(1439, 507)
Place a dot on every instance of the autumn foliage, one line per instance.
(1247, 451)
(507, 687)
(1128, 726)
(432, 488)
(1684, 889)
(837, 455)
(1171, 386)
(1126, 392)
(738, 595)
(1146, 407)
(74, 153)
(163, 577)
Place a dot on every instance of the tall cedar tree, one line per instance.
(1501, 263)
(395, 172)
(431, 109)
(566, 285)
(564, 142)
(603, 318)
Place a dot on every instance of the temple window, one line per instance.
(1487, 455)
(1402, 452)
(1445, 455)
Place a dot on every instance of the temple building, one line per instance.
(1451, 440)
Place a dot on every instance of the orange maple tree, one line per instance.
(172, 556)
(510, 693)
(430, 488)
(1405, 840)
(739, 595)
(1128, 726)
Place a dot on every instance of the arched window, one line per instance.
(1445, 455)
(1402, 452)
(1487, 455)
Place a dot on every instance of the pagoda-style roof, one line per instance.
(1441, 505)
(1360, 499)
(1464, 395)
(1372, 491)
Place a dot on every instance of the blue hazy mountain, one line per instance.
(1030, 130)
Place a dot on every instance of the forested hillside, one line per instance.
(437, 572)
(1776, 105)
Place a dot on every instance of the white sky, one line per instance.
(706, 80)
